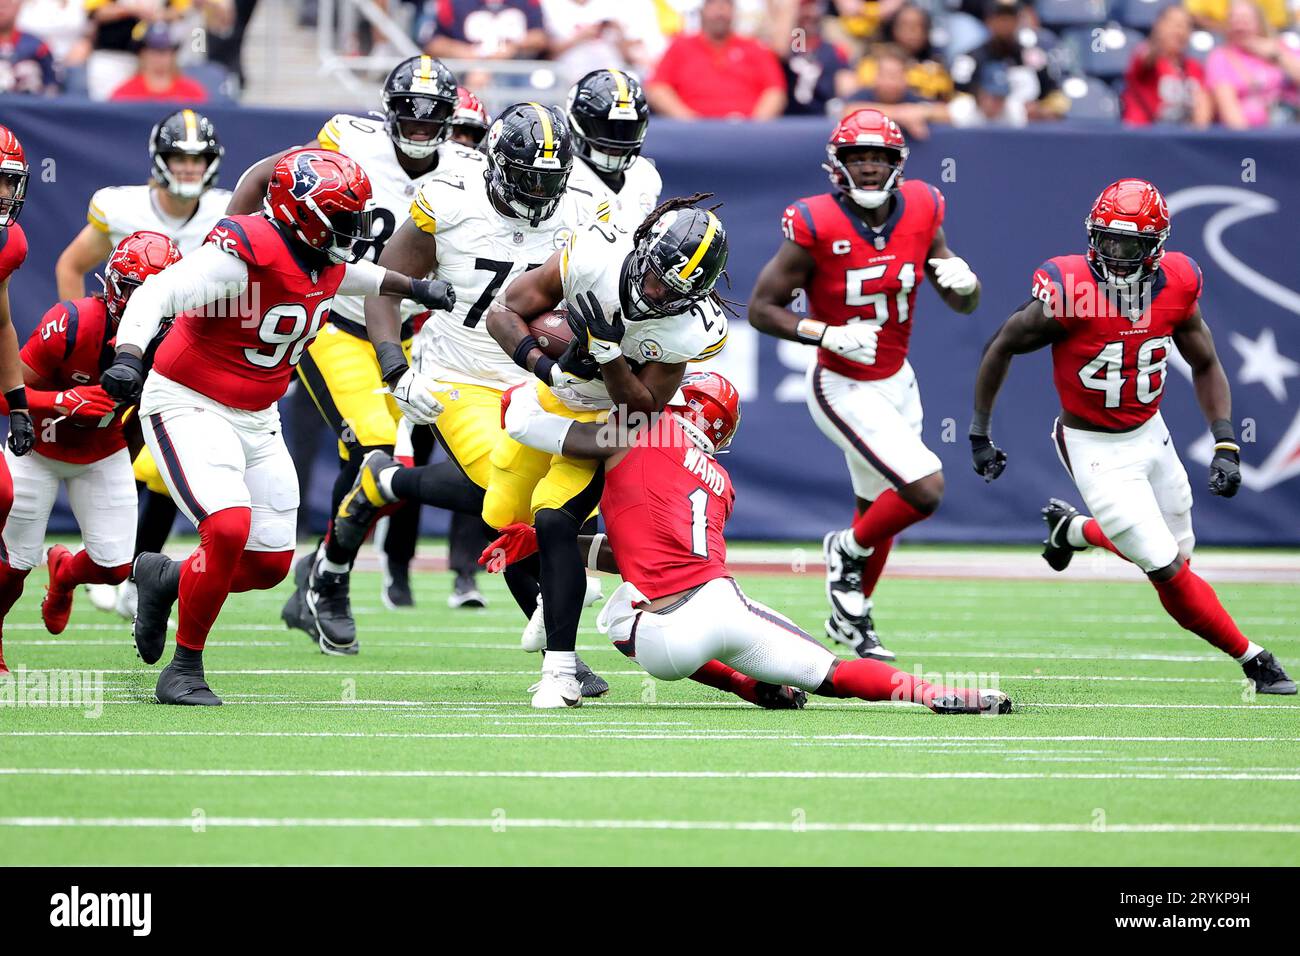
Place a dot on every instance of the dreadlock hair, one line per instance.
(688, 202)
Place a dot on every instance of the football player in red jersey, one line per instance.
(679, 612)
(1112, 317)
(247, 303)
(860, 252)
(81, 443)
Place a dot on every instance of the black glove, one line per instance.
(124, 379)
(433, 294)
(604, 333)
(577, 361)
(989, 459)
(1225, 472)
(21, 433)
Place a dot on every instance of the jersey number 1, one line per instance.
(699, 499)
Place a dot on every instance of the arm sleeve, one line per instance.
(362, 278)
(797, 225)
(205, 275)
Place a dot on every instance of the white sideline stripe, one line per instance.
(1225, 774)
(544, 823)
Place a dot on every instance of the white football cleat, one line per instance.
(534, 636)
(127, 599)
(594, 592)
(554, 691)
(102, 597)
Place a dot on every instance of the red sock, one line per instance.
(11, 589)
(875, 680)
(207, 573)
(260, 570)
(888, 515)
(875, 566)
(79, 569)
(719, 675)
(1093, 534)
(1191, 602)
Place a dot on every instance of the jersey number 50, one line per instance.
(289, 341)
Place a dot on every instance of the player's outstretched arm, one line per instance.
(87, 250)
(787, 272)
(21, 433)
(951, 276)
(519, 541)
(1194, 342)
(411, 252)
(529, 295)
(1028, 329)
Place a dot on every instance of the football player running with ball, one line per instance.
(680, 612)
(247, 304)
(861, 252)
(1112, 317)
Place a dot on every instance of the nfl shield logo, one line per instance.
(519, 237)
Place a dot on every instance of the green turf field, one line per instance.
(1131, 743)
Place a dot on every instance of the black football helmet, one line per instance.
(530, 155)
(675, 265)
(185, 133)
(420, 92)
(608, 115)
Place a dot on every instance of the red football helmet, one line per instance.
(712, 407)
(1127, 228)
(133, 260)
(470, 118)
(866, 129)
(13, 169)
(324, 199)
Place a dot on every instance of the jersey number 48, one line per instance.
(1105, 372)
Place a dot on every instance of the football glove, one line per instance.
(85, 405)
(517, 541)
(413, 394)
(574, 367)
(604, 333)
(124, 379)
(990, 460)
(855, 341)
(22, 436)
(1225, 471)
(954, 275)
(433, 294)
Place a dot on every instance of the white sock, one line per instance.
(850, 544)
(333, 567)
(386, 482)
(1074, 532)
(561, 663)
(1252, 651)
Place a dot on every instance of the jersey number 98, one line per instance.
(289, 341)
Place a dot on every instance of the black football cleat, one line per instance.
(1267, 675)
(1057, 550)
(396, 589)
(294, 613)
(181, 681)
(844, 579)
(330, 607)
(988, 702)
(361, 505)
(593, 685)
(157, 581)
(465, 593)
(776, 697)
(858, 635)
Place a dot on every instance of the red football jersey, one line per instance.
(665, 505)
(861, 275)
(241, 351)
(71, 347)
(13, 250)
(1111, 369)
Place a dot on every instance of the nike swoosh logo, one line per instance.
(1166, 440)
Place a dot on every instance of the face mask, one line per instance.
(608, 162)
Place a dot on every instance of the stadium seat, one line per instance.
(1071, 13)
(1103, 51)
(963, 32)
(1141, 14)
(1091, 99)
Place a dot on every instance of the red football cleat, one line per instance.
(57, 604)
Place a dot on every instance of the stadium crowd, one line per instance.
(963, 62)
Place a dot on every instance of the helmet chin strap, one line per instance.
(869, 198)
(186, 190)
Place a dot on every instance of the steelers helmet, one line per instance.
(608, 115)
(184, 133)
(530, 155)
(674, 265)
(420, 92)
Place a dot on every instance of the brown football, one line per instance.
(551, 329)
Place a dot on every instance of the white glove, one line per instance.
(414, 396)
(530, 424)
(855, 341)
(955, 275)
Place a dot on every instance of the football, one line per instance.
(551, 329)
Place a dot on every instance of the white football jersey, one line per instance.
(631, 204)
(119, 211)
(593, 262)
(364, 140)
(480, 251)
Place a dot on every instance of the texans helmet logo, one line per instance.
(306, 179)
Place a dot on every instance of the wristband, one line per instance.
(980, 422)
(520, 356)
(392, 362)
(593, 552)
(16, 398)
(1228, 446)
(810, 330)
(1222, 430)
(543, 368)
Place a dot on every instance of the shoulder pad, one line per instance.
(230, 236)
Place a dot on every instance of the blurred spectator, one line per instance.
(1252, 75)
(60, 23)
(892, 96)
(716, 73)
(817, 73)
(1029, 71)
(488, 30)
(588, 35)
(1212, 15)
(159, 76)
(861, 19)
(226, 45)
(112, 59)
(990, 103)
(1163, 84)
(909, 30)
(26, 63)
